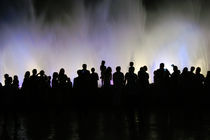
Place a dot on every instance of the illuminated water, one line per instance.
(116, 31)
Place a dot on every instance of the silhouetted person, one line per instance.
(34, 80)
(131, 78)
(146, 76)
(108, 77)
(69, 83)
(192, 77)
(1, 91)
(26, 81)
(62, 78)
(85, 72)
(185, 78)
(143, 78)
(199, 78)
(15, 82)
(8, 96)
(207, 80)
(131, 64)
(55, 82)
(93, 79)
(192, 69)
(161, 76)
(42, 80)
(9, 82)
(118, 78)
(6, 79)
(102, 69)
(78, 80)
(85, 76)
(175, 77)
(49, 81)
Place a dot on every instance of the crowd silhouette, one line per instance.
(87, 79)
(37, 86)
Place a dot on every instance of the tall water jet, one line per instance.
(117, 31)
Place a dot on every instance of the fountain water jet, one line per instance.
(116, 31)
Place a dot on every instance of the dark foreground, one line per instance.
(152, 123)
(102, 97)
(105, 114)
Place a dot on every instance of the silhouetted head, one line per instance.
(92, 70)
(208, 74)
(145, 68)
(27, 74)
(131, 64)
(10, 80)
(84, 66)
(141, 69)
(103, 62)
(198, 70)
(15, 77)
(42, 73)
(6, 76)
(68, 80)
(175, 68)
(34, 71)
(109, 69)
(118, 68)
(55, 75)
(192, 69)
(79, 73)
(48, 78)
(161, 65)
(131, 70)
(62, 71)
(185, 69)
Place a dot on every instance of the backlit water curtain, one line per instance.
(117, 31)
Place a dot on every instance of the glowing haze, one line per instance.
(117, 31)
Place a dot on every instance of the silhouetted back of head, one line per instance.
(192, 69)
(141, 69)
(34, 71)
(185, 69)
(175, 68)
(68, 80)
(42, 73)
(145, 68)
(15, 77)
(198, 70)
(103, 62)
(27, 74)
(161, 65)
(10, 80)
(84, 66)
(79, 73)
(6, 76)
(92, 70)
(109, 69)
(55, 75)
(131, 64)
(208, 74)
(118, 68)
(62, 71)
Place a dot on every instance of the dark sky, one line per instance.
(10, 9)
(57, 6)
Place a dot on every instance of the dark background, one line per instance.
(11, 8)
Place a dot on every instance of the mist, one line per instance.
(117, 31)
